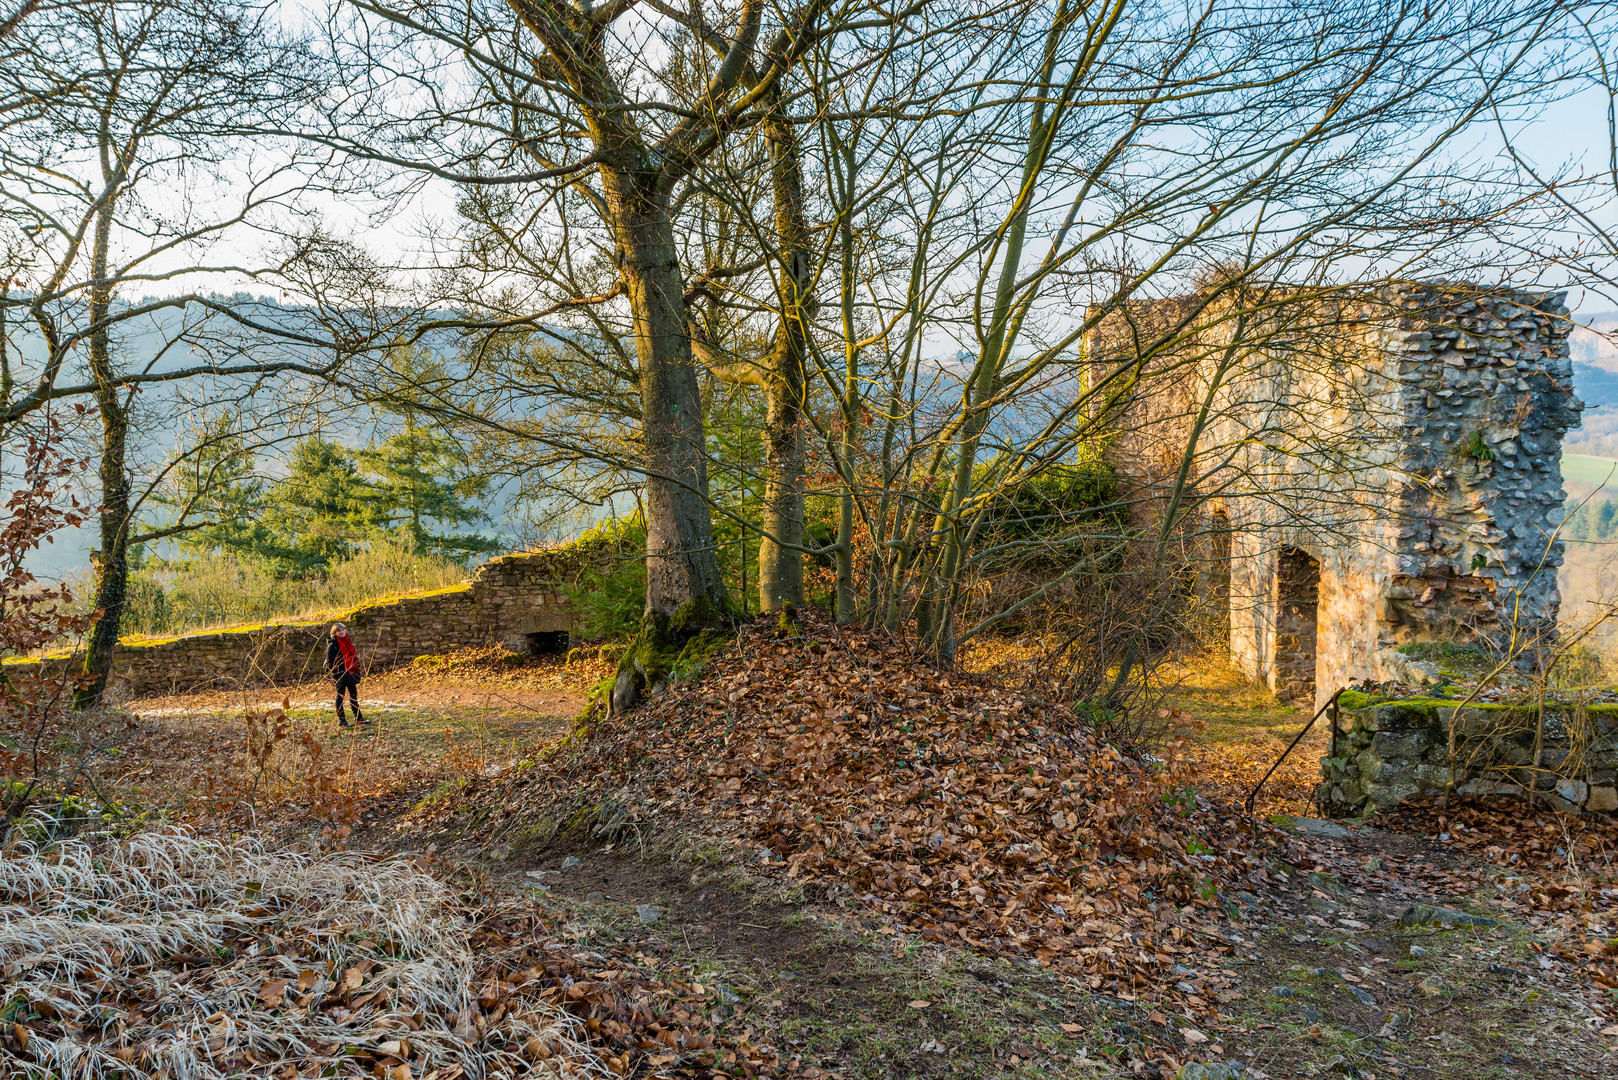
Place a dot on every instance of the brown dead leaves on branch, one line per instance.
(35, 616)
(943, 803)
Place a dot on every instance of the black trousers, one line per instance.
(351, 683)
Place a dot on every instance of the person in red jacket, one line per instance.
(344, 664)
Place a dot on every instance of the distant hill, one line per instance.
(1596, 386)
(1594, 348)
(1596, 343)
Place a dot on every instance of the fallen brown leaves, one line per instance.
(168, 955)
(1230, 771)
(943, 804)
(484, 667)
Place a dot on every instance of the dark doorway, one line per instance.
(1297, 622)
(547, 643)
(1218, 576)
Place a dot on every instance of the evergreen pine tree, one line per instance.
(218, 488)
(321, 511)
(420, 482)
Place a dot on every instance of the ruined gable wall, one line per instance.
(1294, 454)
(1487, 398)
(1359, 438)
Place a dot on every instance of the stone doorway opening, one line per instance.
(1218, 577)
(1297, 621)
(546, 643)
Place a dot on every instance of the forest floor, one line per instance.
(1313, 966)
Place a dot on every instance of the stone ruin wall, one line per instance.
(515, 601)
(1389, 473)
(1401, 750)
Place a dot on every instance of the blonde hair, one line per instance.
(338, 628)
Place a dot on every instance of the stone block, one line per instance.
(1395, 716)
(1402, 746)
(1603, 798)
(1509, 752)
(1432, 776)
(1573, 792)
(1386, 796)
(1374, 770)
(1473, 723)
(1348, 793)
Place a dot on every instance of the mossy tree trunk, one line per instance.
(780, 555)
(112, 571)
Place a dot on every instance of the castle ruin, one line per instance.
(1367, 472)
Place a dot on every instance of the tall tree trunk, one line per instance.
(780, 555)
(682, 565)
(112, 574)
(851, 392)
(685, 592)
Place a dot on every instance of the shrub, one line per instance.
(223, 589)
(609, 596)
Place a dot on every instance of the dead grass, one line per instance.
(166, 955)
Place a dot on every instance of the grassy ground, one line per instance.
(835, 995)
(1243, 730)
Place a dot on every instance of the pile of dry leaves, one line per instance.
(169, 955)
(943, 803)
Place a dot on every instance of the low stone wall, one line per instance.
(1402, 750)
(516, 601)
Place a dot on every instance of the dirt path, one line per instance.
(393, 692)
(235, 755)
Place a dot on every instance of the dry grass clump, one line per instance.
(169, 956)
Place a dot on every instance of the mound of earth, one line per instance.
(949, 805)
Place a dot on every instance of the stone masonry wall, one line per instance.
(1401, 750)
(1409, 443)
(506, 600)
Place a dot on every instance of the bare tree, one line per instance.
(578, 159)
(990, 189)
(1099, 159)
(124, 168)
